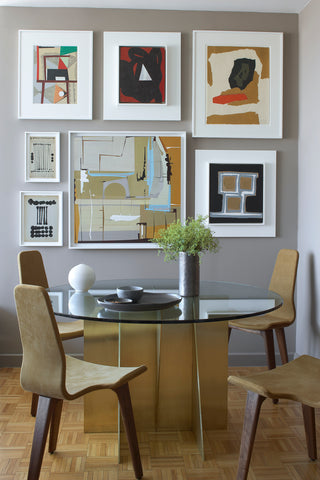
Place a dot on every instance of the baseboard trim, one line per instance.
(11, 360)
(252, 359)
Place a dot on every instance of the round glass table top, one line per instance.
(161, 302)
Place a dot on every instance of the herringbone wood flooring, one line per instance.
(279, 451)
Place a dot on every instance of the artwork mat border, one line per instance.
(112, 109)
(59, 242)
(203, 158)
(119, 245)
(56, 136)
(80, 111)
(201, 39)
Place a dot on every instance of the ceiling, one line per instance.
(276, 6)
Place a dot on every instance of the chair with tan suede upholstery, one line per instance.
(296, 380)
(282, 282)
(32, 272)
(55, 377)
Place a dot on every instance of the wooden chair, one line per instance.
(55, 377)
(282, 282)
(296, 380)
(32, 272)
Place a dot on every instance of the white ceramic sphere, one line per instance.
(81, 277)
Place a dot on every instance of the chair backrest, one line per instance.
(43, 368)
(31, 268)
(283, 282)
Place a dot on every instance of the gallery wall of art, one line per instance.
(72, 108)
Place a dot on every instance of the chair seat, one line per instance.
(264, 322)
(69, 330)
(83, 377)
(297, 380)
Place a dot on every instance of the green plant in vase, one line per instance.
(188, 241)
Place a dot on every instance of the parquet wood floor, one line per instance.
(279, 451)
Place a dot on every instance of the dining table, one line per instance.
(183, 341)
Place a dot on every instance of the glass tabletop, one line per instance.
(161, 302)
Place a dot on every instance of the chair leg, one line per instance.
(229, 333)
(251, 417)
(34, 404)
(269, 346)
(54, 427)
(45, 410)
(310, 429)
(124, 398)
(281, 337)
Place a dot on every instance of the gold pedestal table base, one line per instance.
(185, 386)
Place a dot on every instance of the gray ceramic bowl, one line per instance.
(134, 293)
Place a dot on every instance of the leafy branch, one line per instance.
(193, 237)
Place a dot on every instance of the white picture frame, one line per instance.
(257, 114)
(125, 217)
(42, 156)
(171, 108)
(233, 228)
(56, 90)
(41, 218)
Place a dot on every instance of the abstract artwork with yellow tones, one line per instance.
(124, 187)
(237, 84)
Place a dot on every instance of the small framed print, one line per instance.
(42, 157)
(41, 219)
(236, 190)
(142, 76)
(55, 74)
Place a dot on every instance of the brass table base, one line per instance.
(184, 388)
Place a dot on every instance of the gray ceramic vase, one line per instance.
(189, 275)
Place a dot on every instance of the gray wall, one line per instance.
(247, 260)
(308, 326)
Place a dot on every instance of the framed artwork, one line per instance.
(55, 74)
(124, 187)
(42, 157)
(237, 84)
(142, 76)
(41, 219)
(236, 190)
